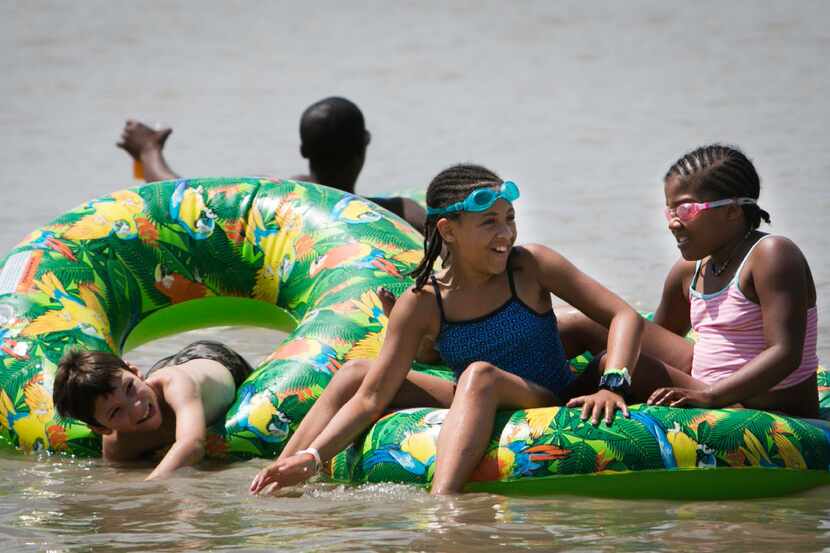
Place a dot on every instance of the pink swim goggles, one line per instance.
(690, 210)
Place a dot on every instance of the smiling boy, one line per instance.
(172, 406)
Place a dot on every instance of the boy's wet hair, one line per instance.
(83, 377)
(725, 172)
(208, 349)
(332, 132)
(449, 186)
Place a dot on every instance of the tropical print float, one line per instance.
(159, 259)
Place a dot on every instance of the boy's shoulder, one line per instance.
(193, 371)
(204, 380)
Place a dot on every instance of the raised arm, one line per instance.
(409, 321)
(145, 145)
(183, 396)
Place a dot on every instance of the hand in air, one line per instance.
(138, 138)
(284, 472)
(603, 403)
(679, 397)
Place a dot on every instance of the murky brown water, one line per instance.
(584, 104)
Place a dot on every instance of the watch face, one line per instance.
(615, 380)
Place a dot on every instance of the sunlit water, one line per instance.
(584, 104)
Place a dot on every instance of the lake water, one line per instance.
(585, 105)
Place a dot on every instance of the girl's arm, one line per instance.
(408, 322)
(673, 311)
(625, 326)
(779, 276)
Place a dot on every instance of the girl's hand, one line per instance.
(603, 401)
(285, 472)
(678, 397)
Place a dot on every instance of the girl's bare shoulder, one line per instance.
(777, 249)
(682, 269)
(533, 255)
(418, 302)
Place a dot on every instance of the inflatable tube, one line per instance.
(166, 257)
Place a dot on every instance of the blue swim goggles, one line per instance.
(479, 200)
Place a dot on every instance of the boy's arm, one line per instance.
(183, 396)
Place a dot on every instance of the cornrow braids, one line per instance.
(449, 186)
(725, 172)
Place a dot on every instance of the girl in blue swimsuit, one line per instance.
(489, 314)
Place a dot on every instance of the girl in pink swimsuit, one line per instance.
(748, 296)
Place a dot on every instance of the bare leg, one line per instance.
(482, 389)
(418, 390)
(648, 375)
(579, 334)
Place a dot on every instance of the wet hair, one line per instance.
(332, 132)
(725, 172)
(208, 349)
(83, 377)
(449, 186)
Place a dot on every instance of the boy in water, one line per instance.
(333, 139)
(172, 406)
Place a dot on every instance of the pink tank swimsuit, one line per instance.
(730, 333)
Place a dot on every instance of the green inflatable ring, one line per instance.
(159, 259)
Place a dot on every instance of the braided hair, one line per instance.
(449, 186)
(727, 173)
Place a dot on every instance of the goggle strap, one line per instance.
(460, 206)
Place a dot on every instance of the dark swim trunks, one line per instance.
(208, 349)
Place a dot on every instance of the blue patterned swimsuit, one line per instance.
(514, 338)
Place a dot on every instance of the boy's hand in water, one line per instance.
(603, 402)
(284, 472)
(138, 138)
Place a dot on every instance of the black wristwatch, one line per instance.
(616, 380)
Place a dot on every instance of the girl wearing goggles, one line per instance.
(489, 313)
(748, 296)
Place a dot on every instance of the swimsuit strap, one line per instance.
(510, 275)
(438, 298)
(748, 253)
(693, 282)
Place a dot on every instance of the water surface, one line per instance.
(585, 105)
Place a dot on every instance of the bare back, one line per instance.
(213, 381)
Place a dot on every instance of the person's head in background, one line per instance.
(334, 138)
